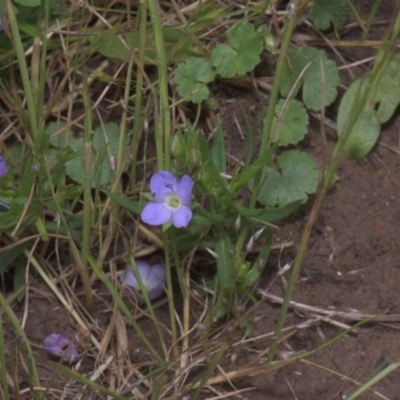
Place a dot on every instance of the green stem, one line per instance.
(83, 272)
(19, 50)
(163, 125)
(138, 120)
(261, 14)
(121, 147)
(290, 25)
(371, 17)
(170, 292)
(87, 192)
(3, 371)
(28, 354)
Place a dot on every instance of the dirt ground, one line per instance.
(352, 265)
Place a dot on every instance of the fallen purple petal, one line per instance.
(58, 345)
(153, 278)
(3, 167)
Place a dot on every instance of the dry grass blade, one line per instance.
(349, 316)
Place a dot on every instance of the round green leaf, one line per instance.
(298, 176)
(191, 78)
(243, 54)
(290, 124)
(367, 128)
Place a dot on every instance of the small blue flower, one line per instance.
(171, 200)
(3, 167)
(58, 345)
(153, 278)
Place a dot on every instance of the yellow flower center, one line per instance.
(173, 201)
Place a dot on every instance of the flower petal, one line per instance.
(184, 189)
(156, 278)
(182, 216)
(161, 184)
(156, 213)
(153, 277)
(3, 167)
(57, 344)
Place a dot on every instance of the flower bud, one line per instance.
(178, 145)
(195, 157)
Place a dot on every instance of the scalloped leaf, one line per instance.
(297, 177)
(242, 55)
(325, 12)
(191, 77)
(290, 124)
(105, 143)
(321, 77)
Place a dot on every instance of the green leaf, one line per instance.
(366, 130)
(110, 46)
(268, 214)
(290, 124)
(292, 68)
(133, 206)
(380, 107)
(320, 78)
(105, 144)
(242, 55)
(218, 147)
(323, 12)
(7, 258)
(215, 183)
(224, 262)
(19, 277)
(74, 167)
(249, 172)
(52, 128)
(387, 93)
(28, 3)
(298, 176)
(192, 76)
(209, 216)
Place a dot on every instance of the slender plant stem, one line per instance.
(170, 290)
(138, 120)
(370, 19)
(163, 125)
(60, 297)
(19, 50)
(122, 136)
(145, 296)
(83, 272)
(87, 192)
(290, 25)
(33, 374)
(117, 298)
(262, 12)
(3, 371)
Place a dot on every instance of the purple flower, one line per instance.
(3, 167)
(171, 200)
(57, 344)
(153, 278)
